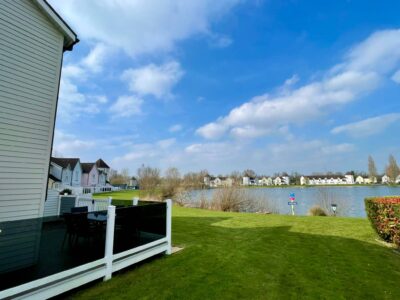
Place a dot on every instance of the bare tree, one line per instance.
(249, 173)
(392, 169)
(116, 177)
(372, 172)
(149, 178)
(170, 183)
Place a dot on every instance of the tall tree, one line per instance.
(149, 178)
(249, 173)
(392, 169)
(372, 172)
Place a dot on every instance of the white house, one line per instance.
(360, 180)
(397, 179)
(277, 181)
(67, 170)
(265, 181)
(303, 180)
(385, 179)
(32, 42)
(104, 168)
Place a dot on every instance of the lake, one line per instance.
(349, 200)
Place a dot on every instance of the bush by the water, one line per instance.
(317, 210)
(384, 214)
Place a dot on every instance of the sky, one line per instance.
(273, 86)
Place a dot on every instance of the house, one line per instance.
(103, 167)
(90, 174)
(327, 179)
(385, 179)
(133, 182)
(303, 180)
(265, 181)
(285, 180)
(67, 170)
(360, 180)
(277, 181)
(397, 180)
(32, 42)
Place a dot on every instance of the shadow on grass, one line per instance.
(223, 261)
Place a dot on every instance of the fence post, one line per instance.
(59, 205)
(135, 201)
(108, 253)
(169, 226)
(109, 200)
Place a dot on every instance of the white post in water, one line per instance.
(135, 201)
(108, 255)
(169, 226)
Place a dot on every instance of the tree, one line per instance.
(372, 172)
(249, 173)
(392, 169)
(149, 178)
(119, 178)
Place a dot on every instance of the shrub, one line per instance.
(66, 191)
(317, 210)
(384, 214)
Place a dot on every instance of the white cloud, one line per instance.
(167, 143)
(68, 145)
(396, 77)
(126, 106)
(175, 128)
(220, 41)
(361, 72)
(95, 59)
(142, 27)
(154, 80)
(368, 126)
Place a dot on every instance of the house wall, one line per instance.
(93, 177)
(84, 180)
(66, 177)
(77, 175)
(55, 170)
(102, 179)
(30, 61)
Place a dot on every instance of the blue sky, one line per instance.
(307, 86)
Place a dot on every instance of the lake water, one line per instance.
(349, 200)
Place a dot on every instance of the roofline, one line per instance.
(72, 37)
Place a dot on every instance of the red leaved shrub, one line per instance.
(384, 214)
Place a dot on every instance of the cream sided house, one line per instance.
(327, 179)
(32, 42)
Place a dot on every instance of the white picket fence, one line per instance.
(61, 282)
(93, 204)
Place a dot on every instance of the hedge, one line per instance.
(384, 214)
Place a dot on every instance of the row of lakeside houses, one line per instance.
(220, 181)
(72, 173)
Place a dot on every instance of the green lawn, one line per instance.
(252, 256)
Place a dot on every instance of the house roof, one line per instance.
(70, 37)
(101, 164)
(64, 162)
(87, 167)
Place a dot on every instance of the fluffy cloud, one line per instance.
(368, 126)
(361, 72)
(126, 106)
(396, 77)
(156, 80)
(68, 145)
(139, 26)
(175, 128)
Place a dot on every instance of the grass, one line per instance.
(253, 256)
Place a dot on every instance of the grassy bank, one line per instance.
(252, 256)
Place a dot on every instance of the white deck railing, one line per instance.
(61, 282)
